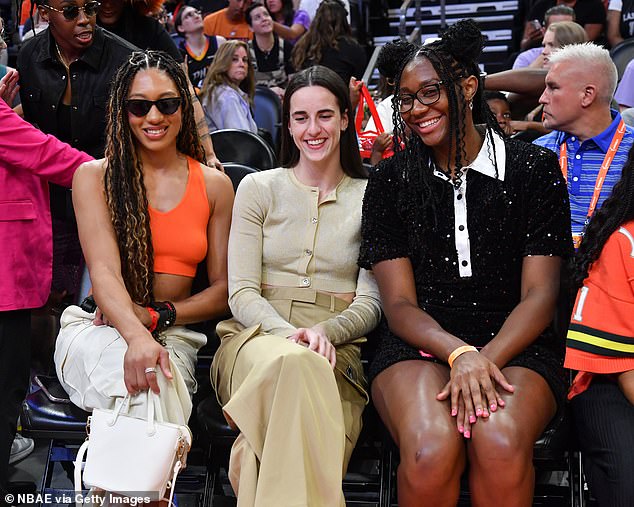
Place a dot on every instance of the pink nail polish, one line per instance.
(461, 429)
(479, 412)
(454, 412)
(467, 434)
(493, 407)
(472, 419)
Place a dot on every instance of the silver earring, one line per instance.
(470, 103)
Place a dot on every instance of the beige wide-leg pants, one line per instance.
(89, 365)
(299, 420)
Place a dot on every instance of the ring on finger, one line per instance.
(150, 369)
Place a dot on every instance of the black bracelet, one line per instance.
(167, 314)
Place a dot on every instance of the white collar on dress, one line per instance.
(483, 162)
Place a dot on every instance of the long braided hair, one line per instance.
(123, 180)
(615, 211)
(453, 57)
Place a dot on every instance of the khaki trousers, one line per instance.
(298, 420)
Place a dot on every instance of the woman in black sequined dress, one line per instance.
(465, 232)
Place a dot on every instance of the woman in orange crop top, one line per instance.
(600, 346)
(147, 215)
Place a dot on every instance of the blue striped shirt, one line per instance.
(584, 163)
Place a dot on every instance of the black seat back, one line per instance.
(267, 113)
(238, 171)
(243, 147)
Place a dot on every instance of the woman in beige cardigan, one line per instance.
(288, 370)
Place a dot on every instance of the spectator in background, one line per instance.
(501, 109)
(28, 160)
(524, 100)
(288, 23)
(553, 15)
(131, 20)
(579, 88)
(270, 55)
(329, 42)
(620, 21)
(34, 25)
(557, 35)
(3, 49)
(388, 64)
(197, 49)
(624, 95)
(229, 22)
(205, 6)
(588, 13)
(228, 89)
(311, 6)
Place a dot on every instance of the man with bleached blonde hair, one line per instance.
(579, 89)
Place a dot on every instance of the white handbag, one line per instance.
(132, 456)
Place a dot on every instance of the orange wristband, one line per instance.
(155, 318)
(458, 352)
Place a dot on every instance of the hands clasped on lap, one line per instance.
(473, 390)
(316, 340)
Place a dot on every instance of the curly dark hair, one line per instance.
(390, 58)
(123, 180)
(388, 63)
(615, 211)
(453, 57)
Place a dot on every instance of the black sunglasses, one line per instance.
(141, 107)
(70, 12)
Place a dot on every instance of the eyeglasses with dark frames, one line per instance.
(71, 12)
(141, 107)
(426, 95)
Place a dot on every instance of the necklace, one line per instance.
(61, 58)
(266, 52)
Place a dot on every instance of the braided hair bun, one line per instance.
(392, 56)
(464, 42)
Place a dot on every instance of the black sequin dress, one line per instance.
(525, 214)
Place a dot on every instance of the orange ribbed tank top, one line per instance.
(179, 236)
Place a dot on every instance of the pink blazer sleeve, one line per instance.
(25, 148)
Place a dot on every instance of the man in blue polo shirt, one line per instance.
(590, 139)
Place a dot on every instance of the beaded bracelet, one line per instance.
(458, 352)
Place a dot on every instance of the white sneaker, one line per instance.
(21, 448)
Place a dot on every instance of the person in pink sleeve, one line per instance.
(29, 159)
